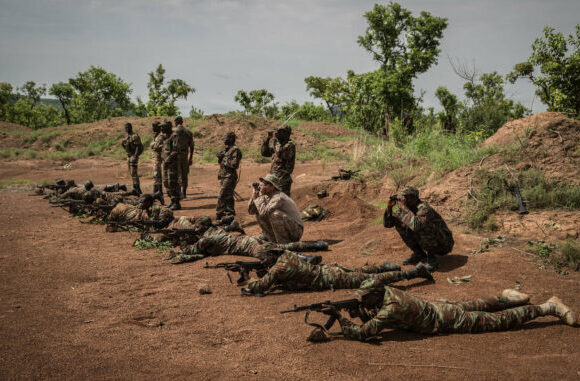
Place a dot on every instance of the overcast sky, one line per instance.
(222, 46)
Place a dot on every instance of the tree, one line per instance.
(64, 92)
(448, 117)
(7, 99)
(162, 97)
(99, 94)
(331, 90)
(257, 102)
(554, 68)
(487, 108)
(404, 46)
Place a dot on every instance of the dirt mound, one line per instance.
(7, 126)
(209, 133)
(518, 128)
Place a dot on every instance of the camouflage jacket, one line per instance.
(170, 148)
(132, 145)
(283, 156)
(157, 146)
(185, 142)
(229, 160)
(425, 222)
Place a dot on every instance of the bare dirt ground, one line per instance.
(80, 303)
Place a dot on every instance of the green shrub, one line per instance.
(571, 251)
(151, 243)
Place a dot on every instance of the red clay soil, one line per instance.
(79, 303)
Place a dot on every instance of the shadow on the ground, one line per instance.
(451, 262)
(207, 206)
(201, 197)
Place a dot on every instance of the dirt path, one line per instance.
(79, 303)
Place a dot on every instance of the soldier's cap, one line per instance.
(410, 191)
(286, 128)
(156, 124)
(231, 135)
(89, 184)
(60, 181)
(271, 178)
(128, 125)
(178, 119)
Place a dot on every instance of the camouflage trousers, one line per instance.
(292, 273)
(403, 311)
(132, 163)
(182, 169)
(157, 172)
(285, 182)
(225, 202)
(424, 242)
(279, 228)
(170, 180)
(248, 246)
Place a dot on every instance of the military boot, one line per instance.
(420, 271)
(123, 187)
(416, 257)
(157, 195)
(389, 266)
(137, 189)
(555, 307)
(432, 263)
(515, 297)
(175, 205)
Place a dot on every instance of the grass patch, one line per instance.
(255, 154)
(151, 243)
(45, 136)
(15, 183)
(495, 193)
(208, 155)
(322, 152)
(565, 255)
(18, 153)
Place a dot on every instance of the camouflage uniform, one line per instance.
(283, 159)
(184, 146)
(292, 273)
(133, 146)
(229, 160)
(157, 148)
(170, 167)
(421, 229)
(123, 213)
(81, 193)
(400, 310)
(217, 242)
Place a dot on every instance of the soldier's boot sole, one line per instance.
(424, 272)
(515, 297)
(561, 310)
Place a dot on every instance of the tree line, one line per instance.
(402, 44)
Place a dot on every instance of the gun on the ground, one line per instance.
(242, 267)
(351, 305)
(141, 225)
(345, 174)
(513, 187)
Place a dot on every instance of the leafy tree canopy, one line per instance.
(554, 69)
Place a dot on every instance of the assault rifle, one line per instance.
(351, 305)
(242, 267)
(142, 225)
(345, 174)
(495, 183)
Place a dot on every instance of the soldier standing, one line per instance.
(170, 179)
(283, 155)
(157, 148)
(229, 159)
(133, 146)
(420, 226)
(185, 146)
